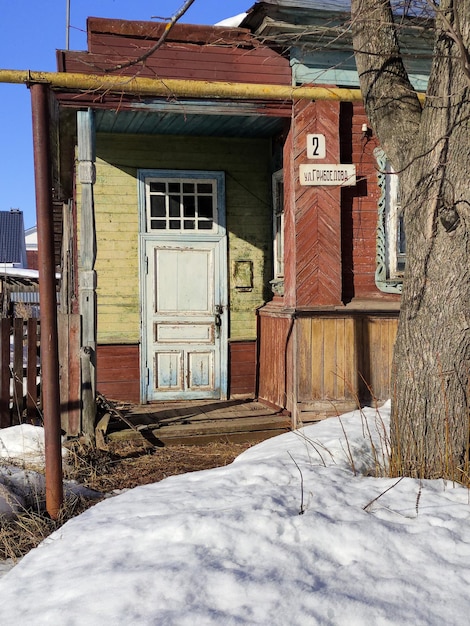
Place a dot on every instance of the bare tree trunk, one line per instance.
(430, 409)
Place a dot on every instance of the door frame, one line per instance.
(219, 236)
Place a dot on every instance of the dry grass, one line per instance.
(29, 528)
(123, 466)
(129, 464)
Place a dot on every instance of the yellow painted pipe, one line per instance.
(94, 83)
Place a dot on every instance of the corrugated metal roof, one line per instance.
(12, 241)
(193, 120)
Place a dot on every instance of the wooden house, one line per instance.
(334, 314)
(226, 245)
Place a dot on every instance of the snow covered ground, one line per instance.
(228, 546)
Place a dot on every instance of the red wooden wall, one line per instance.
(190, 52)
(330, 262)
(118, 370)
(242, 366)
(330, 232)
(275, 356)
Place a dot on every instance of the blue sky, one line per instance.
(30, 33)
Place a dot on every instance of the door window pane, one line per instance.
(157, 187)
(157, 206)
(189, 206)
(174, 206)
(182, 205)
(205, 206)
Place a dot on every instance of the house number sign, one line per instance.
(316, 147)
(324, 173)
(327, 174)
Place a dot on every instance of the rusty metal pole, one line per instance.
(47, 299)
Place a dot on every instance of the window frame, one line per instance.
(168, 195)
(390, 256)
(277, 283)
(219, 223)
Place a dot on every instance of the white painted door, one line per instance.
(185, 330)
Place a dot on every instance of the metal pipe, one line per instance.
(67, 25)
(47, 299)
(179, 88)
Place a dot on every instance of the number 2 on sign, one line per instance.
(316, 147)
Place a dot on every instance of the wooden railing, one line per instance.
(20, 371)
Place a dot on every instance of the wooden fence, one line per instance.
(20, 371)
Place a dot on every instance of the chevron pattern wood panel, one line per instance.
(317, 212)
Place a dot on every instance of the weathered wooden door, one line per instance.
(185, 287)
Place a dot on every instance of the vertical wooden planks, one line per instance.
(317, 364)
(351, 378)
(343, 375)
(19, 342)
(328, 367)
(5, 373)
(242, 365)
(32, 354)
(18, 403)
(69, 349)
(330, 358)
(378, 354)
(304, 356)
(339, 358)
(87, 274)
(274, 359)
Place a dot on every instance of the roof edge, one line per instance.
(194, 33)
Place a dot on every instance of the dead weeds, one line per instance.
(124, 466)
(128, 464)
(31, 526)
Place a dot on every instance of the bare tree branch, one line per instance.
(159, 43)
(390, 100)
(455, 33)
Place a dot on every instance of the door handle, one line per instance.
(219, 309)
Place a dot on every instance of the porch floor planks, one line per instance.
(198, 422)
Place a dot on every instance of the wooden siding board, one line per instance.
(377, 348)
(32, 367)
(110, 48)
(118, 372)
(339, 357)
(378, 338)
(96, 26)
(350, 358)
(69, 349)
(317, 212)
(18, 402)
(258, 73)
(318, 355)
(245, 370)
(274, 360)
(5, 373)
(341, 371)
(189, 52)
(363, 351)
(19, 361)
(121, 391)
(329, 358)
(305, 358)
(242, 357)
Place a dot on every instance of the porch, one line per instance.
(192, 422)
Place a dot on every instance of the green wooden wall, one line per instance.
(246, 164)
